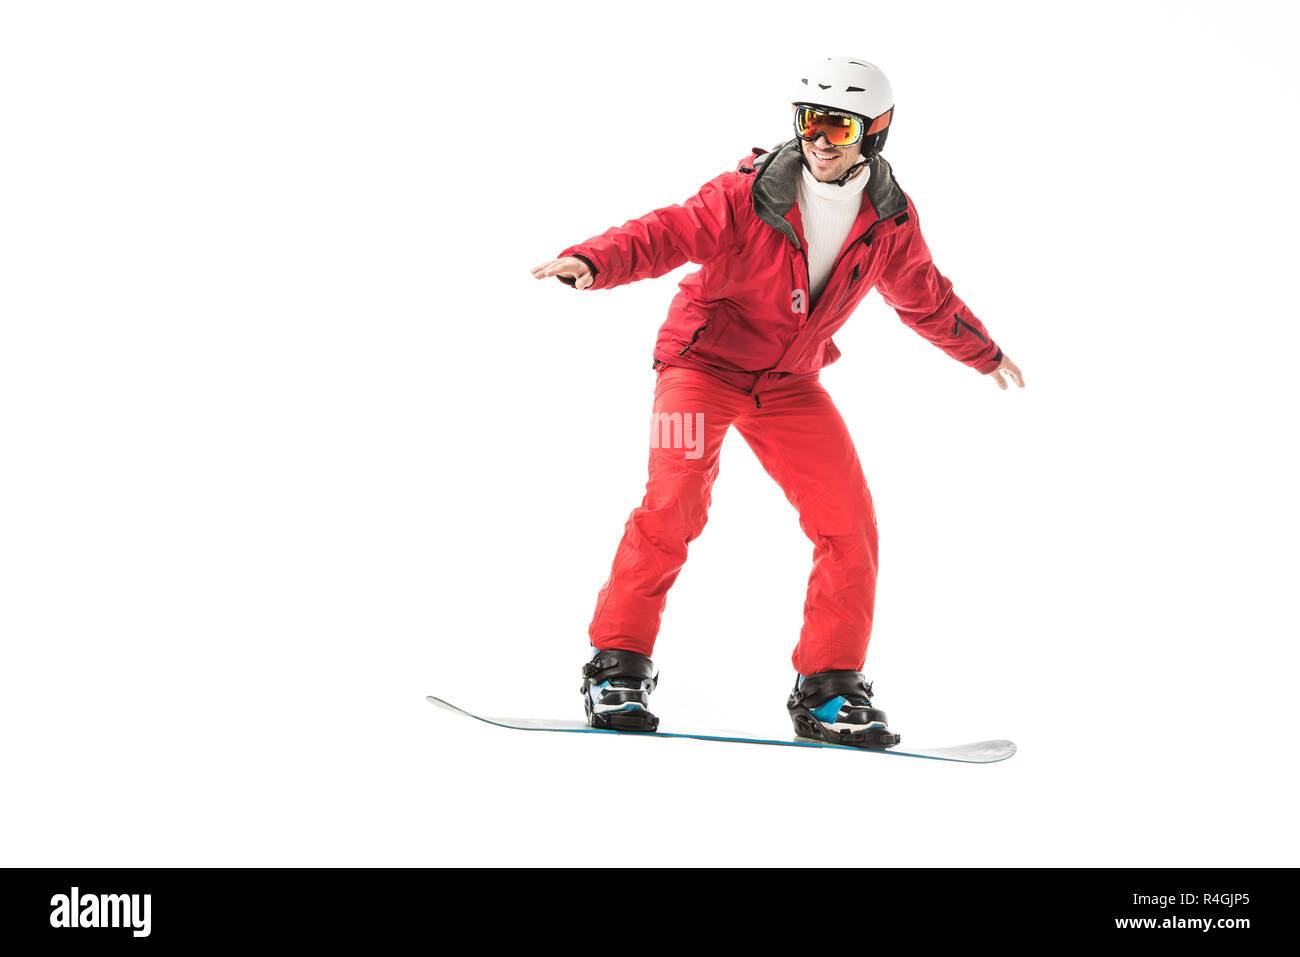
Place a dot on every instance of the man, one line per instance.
(789, 244)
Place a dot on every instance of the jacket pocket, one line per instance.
(853, 281)
(958, 326)
(694, 337)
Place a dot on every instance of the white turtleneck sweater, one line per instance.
(828, 213)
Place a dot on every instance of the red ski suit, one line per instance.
(742, 345)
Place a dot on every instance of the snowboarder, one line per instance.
(789, 243)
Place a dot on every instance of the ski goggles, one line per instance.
(840, 129)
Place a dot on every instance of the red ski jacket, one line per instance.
(745, 316)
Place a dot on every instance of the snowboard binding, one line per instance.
(616, 687)
(835, 707)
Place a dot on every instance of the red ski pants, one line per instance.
(802, 442)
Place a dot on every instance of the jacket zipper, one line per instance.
(695, 335)
(807, 285)
(956, 329)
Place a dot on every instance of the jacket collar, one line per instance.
(776, 188)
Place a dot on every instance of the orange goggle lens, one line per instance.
(841, 129)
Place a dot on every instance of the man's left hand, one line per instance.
(1011, 369)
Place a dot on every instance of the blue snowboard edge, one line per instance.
(977, 752)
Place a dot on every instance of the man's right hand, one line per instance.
(568, 269)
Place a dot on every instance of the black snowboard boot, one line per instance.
(616, 688)
(835, 706)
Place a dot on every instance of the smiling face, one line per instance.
(828, 162)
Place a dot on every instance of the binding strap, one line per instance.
(614, 663)
(819, 688)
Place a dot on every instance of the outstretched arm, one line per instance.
(651, 245)
(924, 299)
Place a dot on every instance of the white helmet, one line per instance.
(850, 85)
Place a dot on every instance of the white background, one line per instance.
(291, 438)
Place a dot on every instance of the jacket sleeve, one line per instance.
(924, 299)
(661, 240)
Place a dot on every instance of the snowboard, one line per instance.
(977, 752)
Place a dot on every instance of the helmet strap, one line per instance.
(850, 171)
(865, 161)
